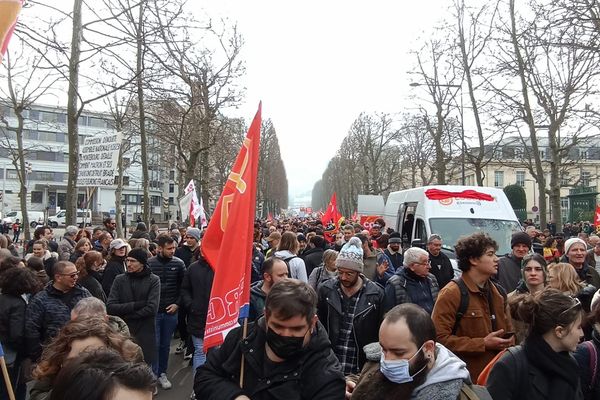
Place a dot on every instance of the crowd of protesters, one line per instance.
(350, 313)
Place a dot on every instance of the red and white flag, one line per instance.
(331, 213)
(232, 222)
(9, 13)
(196, 209)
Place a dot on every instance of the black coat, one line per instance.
(195, 295)
(441, 268)
(92, 283)
(134, 297)
(312, 259)
(368, 313)
(187, 255)
(12, 323)
(315, 375)
(170, 271)
(582, 356)
(116, 266)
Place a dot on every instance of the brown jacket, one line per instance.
(474, 325)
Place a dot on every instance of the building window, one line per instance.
(542, 154)
(171, 188)
(34, 115)
(585, 178)
(499, 178)
(564, 203)
(518, 153)
(171, 201)
(172, 175)
(37, 197)
(564, 179)
(497, 153)
(583, 154)
(521, 178)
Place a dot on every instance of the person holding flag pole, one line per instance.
(282, 354)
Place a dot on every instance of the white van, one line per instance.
(35, 218)
(84, 217)
(419, 212)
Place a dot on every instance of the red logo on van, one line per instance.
(446, 202)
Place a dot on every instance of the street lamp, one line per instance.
(462, 125)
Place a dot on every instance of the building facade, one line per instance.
(46, 153)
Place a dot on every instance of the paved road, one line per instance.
(181, 376)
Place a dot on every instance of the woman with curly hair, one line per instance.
(83, 246)
(90, 277)
(479, 334)
(78, 336)
(15, 286)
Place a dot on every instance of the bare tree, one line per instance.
(26, 82)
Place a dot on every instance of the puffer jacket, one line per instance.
(48, 311)
(170, 271)
(314, 375)
(407, 287)
(368, 313)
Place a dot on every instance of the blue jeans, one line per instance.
(165, 327)
(199, 355)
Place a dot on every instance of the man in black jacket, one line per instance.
(286, 354)
(170, 270)
(313, 256)
(195, 296)
(441, 267)
(394, 250)
(350, 306)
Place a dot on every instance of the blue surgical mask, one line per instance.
(398, 371)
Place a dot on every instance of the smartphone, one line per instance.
(508, 335)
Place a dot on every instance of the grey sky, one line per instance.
(317, 64)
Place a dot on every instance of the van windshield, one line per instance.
(451, 229)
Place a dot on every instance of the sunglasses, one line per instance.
(576, 304)
(72, 275)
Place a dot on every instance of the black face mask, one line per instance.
(284, 346)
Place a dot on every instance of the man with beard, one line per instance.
(350, 306)
(407, 363)
(509, 266)
(286, 354)
(393, 251)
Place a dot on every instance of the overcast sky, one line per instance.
(316, 65)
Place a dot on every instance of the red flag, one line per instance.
(332, 212)
(9, 12)
(597, 218)
(232, 222)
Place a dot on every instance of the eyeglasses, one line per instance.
(423, 263)
(576, 303)
(71, 275)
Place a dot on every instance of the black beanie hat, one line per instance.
(520, 238)
(139, 254)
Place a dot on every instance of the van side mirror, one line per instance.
(418, 243)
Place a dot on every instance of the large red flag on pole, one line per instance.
(597, 218)
(232, 222)
(9, 12)
(331, 213)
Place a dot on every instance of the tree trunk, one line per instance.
(142, 114)
(539, 170)
(440, 165)
(22, 174)
(119, 194)
(73, 115)
(554, 191)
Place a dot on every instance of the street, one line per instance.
(181, 376)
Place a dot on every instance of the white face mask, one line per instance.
(398, 371)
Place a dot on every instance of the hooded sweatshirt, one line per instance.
(446, 377)
(296, 264)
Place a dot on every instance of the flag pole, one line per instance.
(9, 388)
(244, 333)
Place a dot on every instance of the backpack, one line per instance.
(474, 392)
(591, 348)
(464, 302)
(287, 262)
